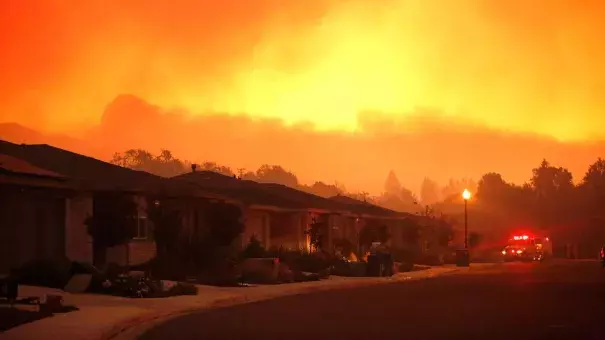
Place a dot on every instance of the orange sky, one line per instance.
(518, 65)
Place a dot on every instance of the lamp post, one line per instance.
(466, 195)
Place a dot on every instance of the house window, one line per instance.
(142, 232)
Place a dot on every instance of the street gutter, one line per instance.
(133, 328)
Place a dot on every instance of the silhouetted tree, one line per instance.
(317, 234)
(164, 164)
(456, 187)
(325, 190)
(168, 224)
(249, 176)
(254, 249)
(493, 189)
(444, 232)
(276, 174)
(221, 169)
(474, 239)
(113, 222)
(593, 185)
(548, 181)
(429, 191)
(392, 185)
(408, 197)
(554, 194)
(591, 196)
(225, 222)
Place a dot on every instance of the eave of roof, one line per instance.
(91, 174)
(17, 166)
(29, 181)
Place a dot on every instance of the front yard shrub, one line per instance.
(165, 268)
(254, 249)
(316, 262)
(44, 273)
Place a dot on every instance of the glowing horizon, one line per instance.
(527, 67)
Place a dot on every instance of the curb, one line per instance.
(133, 328)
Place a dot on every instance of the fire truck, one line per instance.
(527, 247)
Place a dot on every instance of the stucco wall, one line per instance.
(141, 252)
(287, 230)
(117, 255)
(344, 227)
(16, 223)
(256, 223)
(135, 252)
(32, 226)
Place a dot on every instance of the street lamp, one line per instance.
(466, 195)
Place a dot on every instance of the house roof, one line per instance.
(15, 166)
(280, 195)
(306, 199)
(248, 192)
(31, 181)
(89, 173)
(362, 207)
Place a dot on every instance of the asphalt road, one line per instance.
(557, 300)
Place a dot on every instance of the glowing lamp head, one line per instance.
(466, 194)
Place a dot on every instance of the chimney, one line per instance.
(193, 167)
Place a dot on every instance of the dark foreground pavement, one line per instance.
(557, 300)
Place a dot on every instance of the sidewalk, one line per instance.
(108, 317)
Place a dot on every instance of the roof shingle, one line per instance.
(88, 173)
(18, 166)
(279, 195)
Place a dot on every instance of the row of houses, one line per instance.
(47, 194)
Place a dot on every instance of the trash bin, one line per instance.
(387, 261)
(462, 258)
(373, 266)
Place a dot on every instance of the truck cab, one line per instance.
(527, 248)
